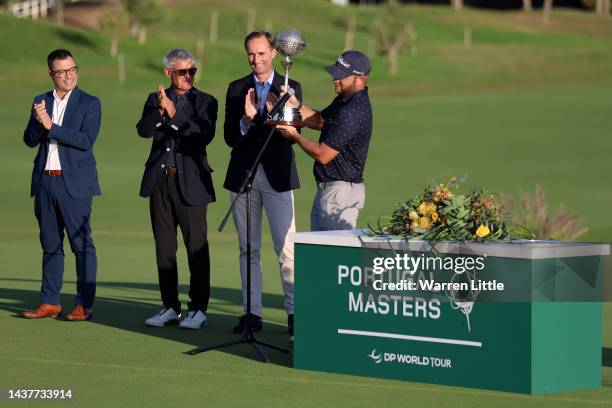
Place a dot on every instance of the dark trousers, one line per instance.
(169, 210)
(56, 211)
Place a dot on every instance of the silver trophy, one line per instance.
(288, 43)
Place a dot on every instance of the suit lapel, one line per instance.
(193, 99)
(277, 81)
(49, 101)
(73, 103)
(250, 83)
(189, 104)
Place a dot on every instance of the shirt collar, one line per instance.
(346, 99)
(173, 96)
(268, 81)
(58, 99)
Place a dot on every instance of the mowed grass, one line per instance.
(526, 105)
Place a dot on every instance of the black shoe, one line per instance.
(290, 324)
(248, 320)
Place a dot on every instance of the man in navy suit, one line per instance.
(181, 121)
(64, 124)
(275, 178)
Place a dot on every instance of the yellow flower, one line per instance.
(483, 231)
(424, 223)
(426, 208)
(434, 216)
(413, 215)
(423, 208)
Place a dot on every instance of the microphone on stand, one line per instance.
(281, 103)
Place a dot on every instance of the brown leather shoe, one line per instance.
(80, 314)
(43, 310)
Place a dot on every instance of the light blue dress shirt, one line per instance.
(261, 89)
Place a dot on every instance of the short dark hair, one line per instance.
(259, 34)
(60, 54)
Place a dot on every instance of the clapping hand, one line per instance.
(271, 101)
(251, 104)
(292, 102)
(41, 115)
(165, 104)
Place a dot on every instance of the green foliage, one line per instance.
(144, 12)
(114, 21)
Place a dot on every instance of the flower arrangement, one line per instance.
(439, 214)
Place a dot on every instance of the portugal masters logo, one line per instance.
(377, 357)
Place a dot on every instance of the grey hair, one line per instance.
(177, 54)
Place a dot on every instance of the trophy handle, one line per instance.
(287, 62)
(289, 116)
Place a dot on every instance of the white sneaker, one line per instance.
(165, 317)
(194, 320)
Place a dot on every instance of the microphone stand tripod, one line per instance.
(248, 336)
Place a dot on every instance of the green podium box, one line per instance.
(541, 334)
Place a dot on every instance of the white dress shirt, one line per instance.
(59, 108)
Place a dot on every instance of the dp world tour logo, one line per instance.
(376, 356)
(410, 359)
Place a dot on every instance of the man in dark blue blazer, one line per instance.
(64, 124)
(181, 121)
(274, 180)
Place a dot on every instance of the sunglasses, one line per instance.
(183, 72)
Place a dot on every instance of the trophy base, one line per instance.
(290, 117)
(272, 123)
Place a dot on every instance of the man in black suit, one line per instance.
(274, 180)
(181, 120)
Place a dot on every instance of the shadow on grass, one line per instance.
(129, 314)
(606, 357)
(606, 361)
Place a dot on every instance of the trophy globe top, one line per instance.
(289, 42)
